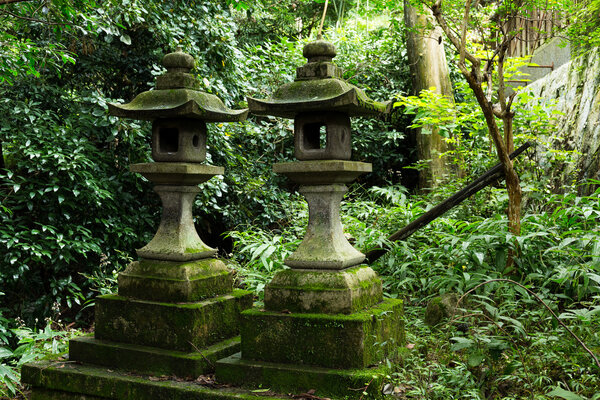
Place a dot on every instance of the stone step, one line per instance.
(289, 378)
(150, 360)
(51, 380)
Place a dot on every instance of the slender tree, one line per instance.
(429, 69)
(478, 70)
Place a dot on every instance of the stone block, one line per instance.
(319, 291)
(150, 360)
(319, 70)
(168, 173)
(175, 282)
(174, 326)
(322, 136)
(323, 172)
(178, 140)
(350, 341)
(286, 378)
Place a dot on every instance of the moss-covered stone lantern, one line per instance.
(176, 311)
(321, 104)
(325, 316)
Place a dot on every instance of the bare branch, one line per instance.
(463, 32)
(436, 10)
(4, 2)
(41, 21)
(543, 303)
(511, 98)
(501, 86)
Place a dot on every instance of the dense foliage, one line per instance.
(72, 214)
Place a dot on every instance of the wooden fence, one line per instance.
(534, 28)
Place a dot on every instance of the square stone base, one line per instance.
(351, 341)
(150, 360)
(185, 327)
(174, 282)
(323, 291)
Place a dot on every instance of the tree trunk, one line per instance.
(429, 70)
(513, 185)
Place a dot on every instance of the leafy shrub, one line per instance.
(31, 345)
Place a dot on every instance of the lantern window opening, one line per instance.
(168, 139)
(315, 136)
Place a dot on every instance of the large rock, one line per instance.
(573, 90)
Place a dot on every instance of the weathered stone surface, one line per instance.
(322, 172)
(571, 94)
(150, 360)
(307, 136)
(318, 87)
(178, 66)
(45, 394)
(176, 103)
(176, 96)
(69, 381)
(168, 173)
(174, 282)
(319, 50)
(324, 245)
(183, 326)
(342, 341)
(311, 95)
(329, 292)
(440, 308)
(318, 70)
(178, 140)
(286, 378)
(176, 238)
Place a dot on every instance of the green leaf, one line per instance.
(475, 359)
(4, 353)
(564, 394)
(461, 343)
(125, 39)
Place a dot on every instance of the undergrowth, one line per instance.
(503, 344)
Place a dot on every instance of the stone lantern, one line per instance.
(176, 265)
(325, 316)
(176, 311)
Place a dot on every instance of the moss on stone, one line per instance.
(170, 103)
(318, 291)
(151, 360)
(286, 378)
(440, 308)
(69, 381)
(169, 281)
(176, 326)
(327, 340)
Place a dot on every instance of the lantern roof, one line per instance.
(177, 95)
(318, 87)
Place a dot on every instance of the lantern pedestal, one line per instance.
(325, 325)
(177, 302)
